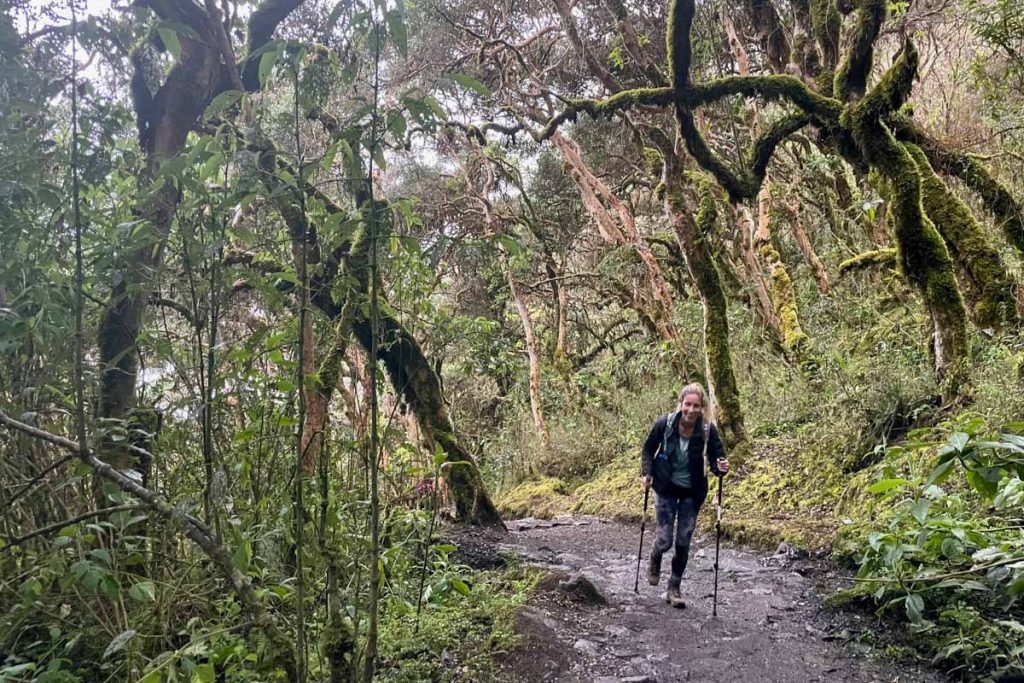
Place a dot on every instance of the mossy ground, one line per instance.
(544, 498)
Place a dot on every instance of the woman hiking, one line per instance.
(675, 462)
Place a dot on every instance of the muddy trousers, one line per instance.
(679, 515)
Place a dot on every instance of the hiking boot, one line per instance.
(654, 571)
(674, 597)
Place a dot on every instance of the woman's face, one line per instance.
(690, 408)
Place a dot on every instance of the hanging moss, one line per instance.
(966, 240)
(881, 258)
(852, 76)
(921, 252)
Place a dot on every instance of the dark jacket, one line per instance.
(661, 467)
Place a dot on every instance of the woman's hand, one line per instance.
(723, 465)
(646, 481)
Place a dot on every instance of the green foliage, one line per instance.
(456, 639)
(945, 550)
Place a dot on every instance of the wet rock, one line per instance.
(579, 588)
(587, 647)
(639, 679)
(571, 560)
(814, 631)
(617, 631)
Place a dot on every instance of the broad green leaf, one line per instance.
(920, 510)
(143, 592)
(958, 440)
(470, 83)
(204, 673)
(267, 62)
(169, 36)
(222, 103)
(101, 554)
(118, 643)
(396, 28)
(940, 473)
(915, 608)
(887, 485)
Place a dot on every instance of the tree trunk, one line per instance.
(413, 376)
(617, 226)
(991, 283)
(762, 300)
(923, 256)
(806, 248)
(164, 119)
(534, 357)
(692, 237)
(783, 296)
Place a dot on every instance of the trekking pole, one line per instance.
(640, 552)
(718, 544)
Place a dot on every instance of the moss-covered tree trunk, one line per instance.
(407, 367)
(993, 287)
(693, 237)
(412, 375)
(783, 295)
(922, 254)
(204, 68)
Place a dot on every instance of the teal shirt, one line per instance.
(681, 463)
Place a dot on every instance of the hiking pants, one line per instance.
(680, 514)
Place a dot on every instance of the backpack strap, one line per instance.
(704, 453)
(669, 420)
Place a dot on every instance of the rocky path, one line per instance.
(770, 625)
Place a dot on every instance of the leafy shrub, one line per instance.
(946, 551)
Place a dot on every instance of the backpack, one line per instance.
(669, 420)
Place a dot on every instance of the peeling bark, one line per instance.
(803, 240)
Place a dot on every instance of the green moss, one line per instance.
(746, 182)
(997, 197)
(826, 24)
(621, 101)
(678, 51)
(716, 321)
(921, 252)
(544, 498)
(824, 110)
(783, 298)
(786, 493)
(852, 75)
(880, 258)
(614, 492)
(992, 283)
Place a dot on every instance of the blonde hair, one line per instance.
(695, 388)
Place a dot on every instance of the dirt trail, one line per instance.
(770, 625)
